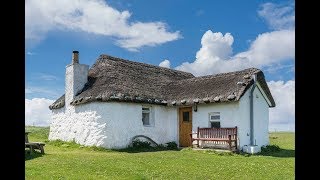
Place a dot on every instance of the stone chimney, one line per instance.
(75, 57)
(76, 78)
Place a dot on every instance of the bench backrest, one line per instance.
(222, 133)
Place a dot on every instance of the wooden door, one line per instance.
(185, 126)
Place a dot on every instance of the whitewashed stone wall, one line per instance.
(112, 124)
(76, 78)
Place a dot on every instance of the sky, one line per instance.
(203, 38)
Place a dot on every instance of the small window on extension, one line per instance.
(214, 120)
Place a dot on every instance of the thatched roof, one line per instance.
(224, 87)
(115, 79)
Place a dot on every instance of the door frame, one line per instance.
(180, 108)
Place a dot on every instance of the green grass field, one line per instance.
(72, 161)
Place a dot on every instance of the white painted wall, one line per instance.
(228, 115)
(238, 114)
(244, 120)
(112, 124)
(260, 118)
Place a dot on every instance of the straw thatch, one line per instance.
(115, 79)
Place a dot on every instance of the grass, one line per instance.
(73, 161)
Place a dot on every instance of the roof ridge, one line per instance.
(230, 73)
(113, 58)
(220, 74)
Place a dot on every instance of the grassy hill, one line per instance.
(72, 161)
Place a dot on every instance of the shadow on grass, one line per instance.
(140, 150)
(284, 153)
(281, 153)
(74, 145)
(33, 155)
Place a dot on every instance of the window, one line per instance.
(147, 116)
(186, 116)
(214, 119)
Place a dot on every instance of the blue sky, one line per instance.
(202, 38)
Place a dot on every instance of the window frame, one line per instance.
(184, 117)
(147, 109)
(215, 120)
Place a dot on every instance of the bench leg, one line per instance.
(236, 144)
(31, 149)
(41, 149)
(229, 141)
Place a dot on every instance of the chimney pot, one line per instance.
(75, 57)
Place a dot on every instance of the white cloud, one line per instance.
(268, 49)
(94, 16)
(219, 49)
(215, 54)
(278, 16)
(165, 63)
(36, 91)
(282, 117)
(47, 77)
(37, 111)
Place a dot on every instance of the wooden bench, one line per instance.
(33, 145)
(217, 136)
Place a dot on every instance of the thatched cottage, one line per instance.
(116, 99)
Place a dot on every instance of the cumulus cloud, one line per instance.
(268, 49)
(278, 16)
(96, 17)
(165, 63)
(282, 117)
(215, 54)
(37, 111)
